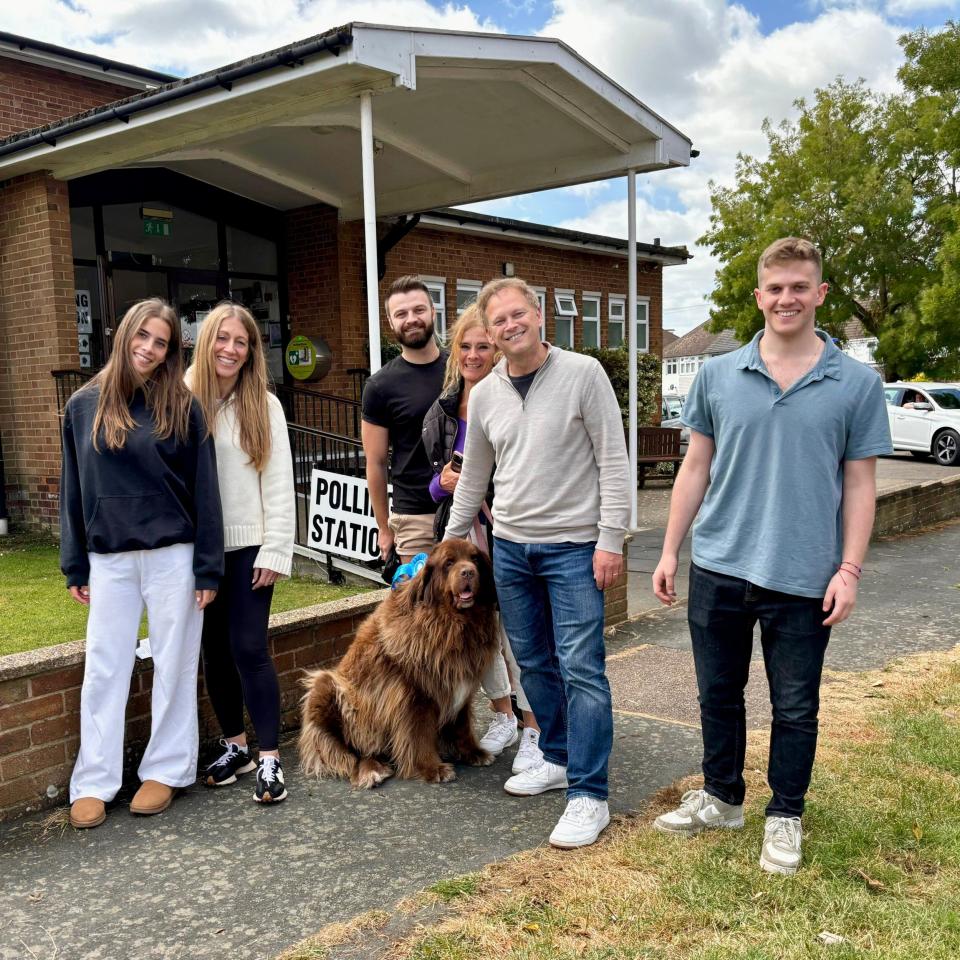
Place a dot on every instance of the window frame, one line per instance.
(621, 321)
(438, 284)
(474, 286)
(585, 321)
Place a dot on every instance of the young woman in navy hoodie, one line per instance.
(140, 525)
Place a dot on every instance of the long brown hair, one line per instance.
(167, 395)
(249, 392)
(470, 318)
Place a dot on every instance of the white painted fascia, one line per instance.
(53, 61)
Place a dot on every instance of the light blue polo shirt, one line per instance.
(771, 514)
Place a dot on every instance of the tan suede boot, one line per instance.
(152, 797)
(87, 812)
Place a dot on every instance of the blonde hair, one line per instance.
(495, 287)
(249, 392)
(470, 318)
(167, 396)
(788, 250)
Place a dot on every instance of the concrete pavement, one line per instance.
(219, 877)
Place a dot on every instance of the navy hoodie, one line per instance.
(149, 494)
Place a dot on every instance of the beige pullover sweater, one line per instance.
(561, 461)
(258, 508)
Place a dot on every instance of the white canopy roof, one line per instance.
(457, 118)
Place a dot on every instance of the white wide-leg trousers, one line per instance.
(120, 585)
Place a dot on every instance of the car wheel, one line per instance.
(946, 448)
(920, 454)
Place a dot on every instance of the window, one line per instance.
(565, 309)
(467, 291)
(616, 313)
(541, 293)
(643, 326)
(671, 368)
(688, 364)
(437, 288)
(591, 320)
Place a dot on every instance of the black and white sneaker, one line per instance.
(270, 785)
(233, 761)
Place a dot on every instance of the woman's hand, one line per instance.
(81, 594)
(205, 598)
(449, 478)
(262, 577)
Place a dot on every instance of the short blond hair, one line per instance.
(495, 287)
(787, 250)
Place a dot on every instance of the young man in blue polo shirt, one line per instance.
(780, 475)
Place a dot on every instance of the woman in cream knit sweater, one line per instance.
(229, 378)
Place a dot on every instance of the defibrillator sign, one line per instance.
(341, 519)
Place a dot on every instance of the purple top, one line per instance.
(436, 491)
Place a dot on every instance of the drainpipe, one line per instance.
(3, 496)
(370, 228)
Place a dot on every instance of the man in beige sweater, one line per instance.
(550, 422)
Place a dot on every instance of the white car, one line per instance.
(925, 419)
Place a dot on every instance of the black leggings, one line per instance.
(236, 662)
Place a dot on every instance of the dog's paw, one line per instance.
(371, 773)
(479, 758)
(444, 773)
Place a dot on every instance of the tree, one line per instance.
(844, 174)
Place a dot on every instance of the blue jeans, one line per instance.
(553, 614)
(722, 612)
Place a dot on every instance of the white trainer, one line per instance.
(698, 811)
(529, 751)
(782, 843)
(581, 823)
(538, 778)
(501, 733)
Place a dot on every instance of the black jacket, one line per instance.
(439, 436)
(151, 493)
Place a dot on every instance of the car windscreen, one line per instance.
(948, 399)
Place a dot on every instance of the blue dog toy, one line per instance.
(407, 571)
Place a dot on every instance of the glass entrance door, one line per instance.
(193, 295)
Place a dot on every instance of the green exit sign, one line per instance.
(153, 227)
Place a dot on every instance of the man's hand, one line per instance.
(205, 598)
(607, 567)
(842, 596)
(663, 579)
(262, 577)
(385, 539)
(81, 594)
(449, 478)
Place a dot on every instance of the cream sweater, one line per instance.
(258, 508)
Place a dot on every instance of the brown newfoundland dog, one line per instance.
(400, 698)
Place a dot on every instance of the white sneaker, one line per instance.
(501, 733)
(538, 778)
(782, 841)
(698, 811)
(581, 823)
(529, 751)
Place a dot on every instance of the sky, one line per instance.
(713, 68)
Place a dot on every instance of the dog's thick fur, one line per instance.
(400, 698)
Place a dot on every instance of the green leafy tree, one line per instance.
(843, 174)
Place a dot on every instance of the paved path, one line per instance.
(219, 877)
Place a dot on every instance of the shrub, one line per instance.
(616, 363)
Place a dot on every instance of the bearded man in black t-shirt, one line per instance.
(395, 401)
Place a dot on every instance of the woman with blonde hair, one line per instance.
(472, 356)
(229, 378)
(140, 526)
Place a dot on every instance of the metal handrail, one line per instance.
(68, 382)
(322, 411)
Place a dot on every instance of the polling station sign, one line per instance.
(341, 518)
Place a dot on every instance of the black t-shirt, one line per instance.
(398, 397)
(523, 383)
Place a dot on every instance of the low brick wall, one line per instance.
(40, 700)
(918, 506)
(40, 697)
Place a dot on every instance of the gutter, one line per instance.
(289, 57)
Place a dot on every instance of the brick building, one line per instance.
(118, 183)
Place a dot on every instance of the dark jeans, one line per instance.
(237, 668)
(722, 612)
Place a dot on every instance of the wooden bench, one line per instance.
(657, 445)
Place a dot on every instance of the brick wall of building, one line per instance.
(32, 95)
(37, 335)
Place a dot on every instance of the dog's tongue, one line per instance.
(465, 595)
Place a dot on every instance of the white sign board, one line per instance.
(341, 519)
(84, 313)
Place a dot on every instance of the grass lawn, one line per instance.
(36, 610)
(882, 859)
